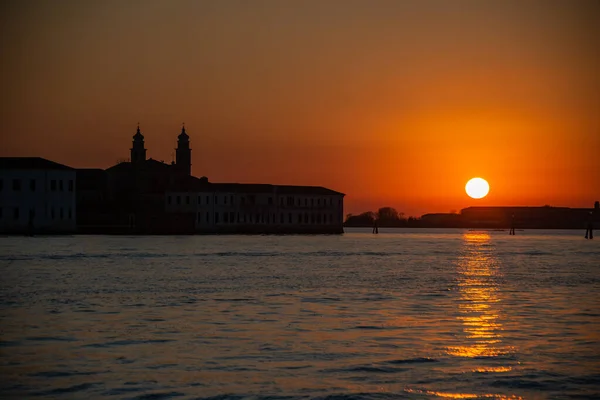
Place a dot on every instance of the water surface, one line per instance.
(404, 314)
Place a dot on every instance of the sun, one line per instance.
(477, 188)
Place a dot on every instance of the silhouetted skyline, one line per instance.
(391, 102)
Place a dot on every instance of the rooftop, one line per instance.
(202, 185)
(30, 163)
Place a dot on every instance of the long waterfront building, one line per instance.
(259, 208)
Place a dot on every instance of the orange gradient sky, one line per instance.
(395, 103)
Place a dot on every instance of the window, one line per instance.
(290, 218)
(60, 185)
(178, 200)
(305, 202)
(70, 213)
(270, 201)
(224, 199)
(53, 185)
(16, 185)
(257, 220)
(16, 213)
(1, 184)
(199, 201)
(32, 185)
(312, 202)
(243, 200)
(299, 218)
(306, 218)
(232, 217)
(61, 213)
(207, 217)
(0, 212)
(199, 217)
(225, 218)
(169, 200)
(281, 218)
(70, 185)
(281, 201)
(207, 199)
(187, 199)
(330, 201)
(231, 199)
(318, 202)
(52, 212)
(216, 216)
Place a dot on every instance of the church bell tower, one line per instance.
(138, 152)
(183, 153)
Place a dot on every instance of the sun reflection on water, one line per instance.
(478, 310)
(448, 395)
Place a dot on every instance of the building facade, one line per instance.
(259, 208)
(36, 196)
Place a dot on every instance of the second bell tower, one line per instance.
(183, 153)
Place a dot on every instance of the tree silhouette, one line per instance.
(388, 216)
(364, 219)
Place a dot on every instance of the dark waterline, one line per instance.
(402, 314)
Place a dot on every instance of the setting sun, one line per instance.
(477, 188)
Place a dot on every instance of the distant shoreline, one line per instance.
(367, 229)
(470, 228)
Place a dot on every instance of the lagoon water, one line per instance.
(422, 314)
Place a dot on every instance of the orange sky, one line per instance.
(393, 102)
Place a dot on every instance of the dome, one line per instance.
(138, 134)
(183, 135)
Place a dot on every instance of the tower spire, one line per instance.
(138, 152)
(183, 153)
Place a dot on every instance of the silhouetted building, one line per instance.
(148, 196)
(597, 205)
(258, 208)
(92, 194)
(441, 220)
(526, 217)
(36, 196)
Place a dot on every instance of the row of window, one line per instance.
(251, 200)
(61, 214)
(259, 218)
(55, 185)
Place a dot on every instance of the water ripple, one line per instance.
(410, 315)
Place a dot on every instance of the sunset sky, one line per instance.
(395, 103)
